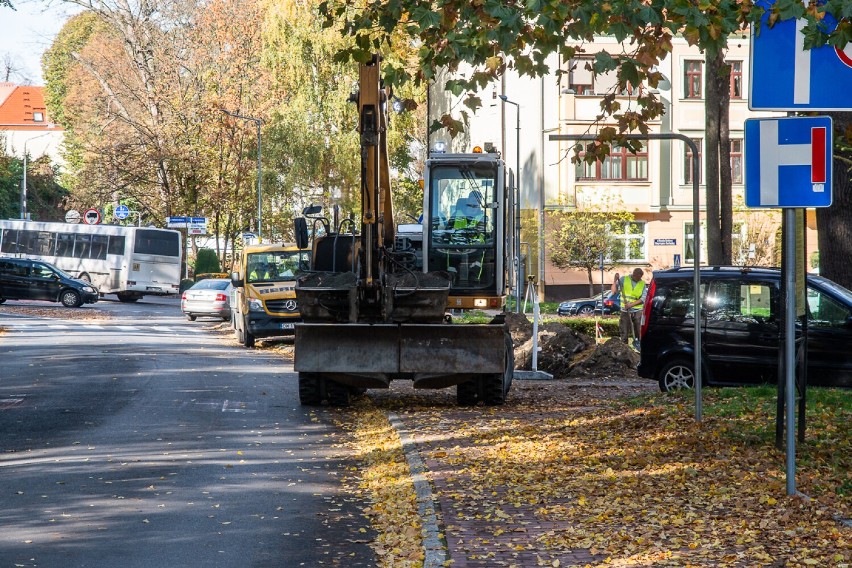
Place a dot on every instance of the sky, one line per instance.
(27, 32)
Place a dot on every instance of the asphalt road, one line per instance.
(145, 440)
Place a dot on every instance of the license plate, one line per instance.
(286, 326)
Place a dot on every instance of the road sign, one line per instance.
(788, 162)
(92, 217)
(786, 76)
(73, 216)
(122, 212)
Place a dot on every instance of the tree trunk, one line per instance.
(711, 158)
(726, 196)
(835, 223)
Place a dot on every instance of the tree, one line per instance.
(834, 223)
(206, 261)
(585, 233)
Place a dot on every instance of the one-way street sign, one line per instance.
(786, 76)
(788, 162)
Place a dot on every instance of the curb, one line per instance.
(435, 550)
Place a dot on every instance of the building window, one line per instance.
(632, 242)
(736, 160)
(687, 162)
(621, 164)
(692, 72)
(689, 243)
(580, 76)
(736, 79)
(38, 117)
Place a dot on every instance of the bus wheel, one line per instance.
(85, 277)
(128, 297)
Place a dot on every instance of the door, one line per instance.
(829, 338)
(13, 278)
(741, 333)
(43, 282)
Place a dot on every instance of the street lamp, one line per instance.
(517, 235)
(257, 122)
(24, 179)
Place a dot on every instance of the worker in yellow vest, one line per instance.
(633, 293)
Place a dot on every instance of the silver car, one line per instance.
(207, 298)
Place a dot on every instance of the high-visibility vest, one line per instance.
(631, 292)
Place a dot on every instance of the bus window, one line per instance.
(157, 242)
(26, 242)
(64, 244)
(44, 243)
(99, 247)
(82, 244)
(116, 245)
(10, 241)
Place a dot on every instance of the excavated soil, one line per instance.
(567, 354)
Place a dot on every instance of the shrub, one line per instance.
(206, 261)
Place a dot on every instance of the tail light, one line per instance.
(646, 311)
(221, 298)
(183, 296)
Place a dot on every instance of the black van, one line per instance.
(741, 329)
(23, 279)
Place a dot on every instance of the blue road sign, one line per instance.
(122, 212)
(786, 76)
(788, 162)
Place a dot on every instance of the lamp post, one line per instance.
(257, 122)
(24, 178)
(517, 236)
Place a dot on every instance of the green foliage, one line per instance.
(206, 261)
(609, 324)
(585, 233)
(45, 196)
(11, 171)
(185, 284)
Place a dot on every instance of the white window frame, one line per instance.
(624, 237)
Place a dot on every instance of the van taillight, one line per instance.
(221, 297)
(646, 315)
(183, 296)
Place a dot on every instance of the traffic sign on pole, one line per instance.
(786, 76)
(788, 161)
(92, 217)
(122, 212)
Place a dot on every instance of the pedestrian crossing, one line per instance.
(34, 324)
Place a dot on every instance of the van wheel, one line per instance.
(190, 318)
(676, 375)
(70, 299)
(128, 297)
(245, 336)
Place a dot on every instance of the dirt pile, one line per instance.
(568, 354)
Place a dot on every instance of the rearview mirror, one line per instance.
(301, 226)
(236, 280)
(312, 209)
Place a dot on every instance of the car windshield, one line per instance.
(212, 284)
(832, 286)
(276, 265)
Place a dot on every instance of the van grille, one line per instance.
(282, 306)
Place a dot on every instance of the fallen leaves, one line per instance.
(634, 482)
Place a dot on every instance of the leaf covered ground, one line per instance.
(613, 474)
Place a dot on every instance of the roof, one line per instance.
(22, 108)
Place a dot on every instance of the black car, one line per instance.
(24, 279)
(588, 306)
(741, 329)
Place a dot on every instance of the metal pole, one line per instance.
(789, 229)
(696, 235)
(517, 236)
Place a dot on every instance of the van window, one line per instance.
(678, 303)
(824, 311)
(735, 301)
(13, 268)
(41, 271)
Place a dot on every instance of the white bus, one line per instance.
(128, 261)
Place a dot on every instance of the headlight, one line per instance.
(255, 305)
(89, 289)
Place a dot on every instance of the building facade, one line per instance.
(25, 126)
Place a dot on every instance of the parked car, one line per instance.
(611, 304)
(741, 328)
(209, 297)
(24, 279)
(588, 306)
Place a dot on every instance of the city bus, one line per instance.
(130, 262)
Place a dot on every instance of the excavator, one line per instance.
(375, 304)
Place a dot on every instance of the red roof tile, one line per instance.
(22, 108)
